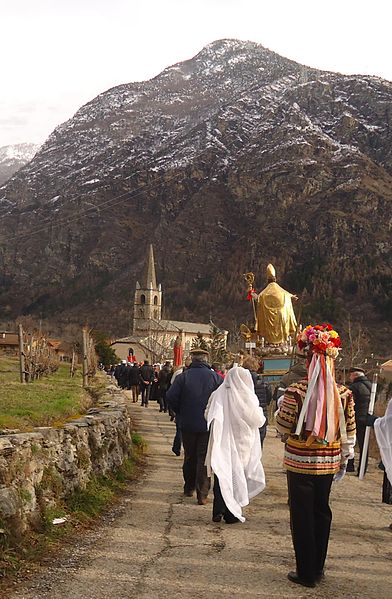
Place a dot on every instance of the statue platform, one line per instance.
(275, 367)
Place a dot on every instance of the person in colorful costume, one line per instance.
(317, 422)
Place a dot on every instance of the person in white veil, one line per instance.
(234, 417)
(383, 431)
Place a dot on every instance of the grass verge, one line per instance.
(47, 402)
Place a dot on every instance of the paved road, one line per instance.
(162, 545)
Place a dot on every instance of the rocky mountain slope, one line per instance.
(225, 162)
(13, 157)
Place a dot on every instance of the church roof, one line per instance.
(130, 339)
(187, 327)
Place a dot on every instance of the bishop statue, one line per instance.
(275, 321)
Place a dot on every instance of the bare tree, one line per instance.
(160, 342)
(356, 346)
(40, 358)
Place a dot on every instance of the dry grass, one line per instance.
(46, 402)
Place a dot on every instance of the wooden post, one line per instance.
(28, 359)
(365, 447)
(72, 367)
(85, 357)
(21, 355)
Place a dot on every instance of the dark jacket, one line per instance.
(123, 376)
(263, 392)
(133, 375)
(189, 394)
(146, 373)
(361, 389)
(164, 378)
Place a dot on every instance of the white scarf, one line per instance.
(383, 432)
(234, 448)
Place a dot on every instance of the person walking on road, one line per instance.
(262, 390)
(383, 432)
(361, 388)
(164, 379)
(317, 422)
(133, 381)
(177, 441)
(187, 398)
(146, 378)
(234, 417)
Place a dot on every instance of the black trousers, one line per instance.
(146, 390)
(361, 429)
(263, 433)
(162, 401)
(194, 470)
(219, 507)
(310, 519)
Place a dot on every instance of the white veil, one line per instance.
(383, 432)
(234, 416)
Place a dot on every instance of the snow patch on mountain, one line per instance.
(13, 157)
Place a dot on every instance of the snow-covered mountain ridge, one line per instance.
(226, 161)
(13, 157)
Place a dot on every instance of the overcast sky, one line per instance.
(58, 54)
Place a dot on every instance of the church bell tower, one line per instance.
(148, 298)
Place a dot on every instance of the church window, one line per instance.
(141, 312)
(156, 300)
(142, 299)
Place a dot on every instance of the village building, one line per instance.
(153, 337)
(62, 349)
(9, 343)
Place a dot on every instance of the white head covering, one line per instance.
(383, 432)
(234, 416)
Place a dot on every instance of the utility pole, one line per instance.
(21, 355)
(85, 357)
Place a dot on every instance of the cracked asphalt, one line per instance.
(158, 544)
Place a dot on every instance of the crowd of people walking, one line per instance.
(221, 420)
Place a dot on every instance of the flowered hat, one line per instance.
(320, 339)
(321, 412)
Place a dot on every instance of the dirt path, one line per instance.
(162, 545)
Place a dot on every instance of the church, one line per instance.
(152, 337)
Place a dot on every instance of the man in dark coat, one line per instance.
(123, 375)
(146, 378)
(133, 381)
(188, 397)
(164, 378)
(262, 390)
(116, 373)
(361, 388)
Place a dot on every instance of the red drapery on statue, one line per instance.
(177, 352)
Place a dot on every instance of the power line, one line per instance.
(107, 203)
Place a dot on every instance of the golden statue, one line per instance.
(275, 315)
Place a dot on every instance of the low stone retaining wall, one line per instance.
(39, 468)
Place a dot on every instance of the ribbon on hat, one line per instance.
(322, 411)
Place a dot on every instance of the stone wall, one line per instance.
(41, 467)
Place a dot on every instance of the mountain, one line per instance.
(225, 162)
(13, 157)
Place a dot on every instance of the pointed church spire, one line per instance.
(150, 277)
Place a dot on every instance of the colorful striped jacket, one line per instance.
(316, 458)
